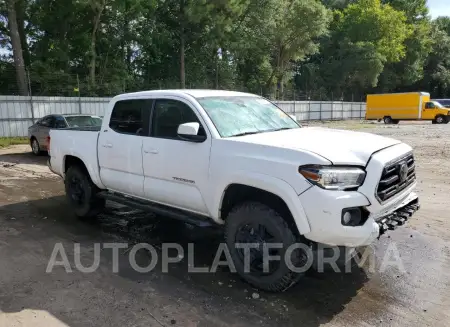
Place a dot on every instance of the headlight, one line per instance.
(334, 178)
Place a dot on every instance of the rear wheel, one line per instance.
(35, 147)
(82, 193)
(387, 120)
(258, 224)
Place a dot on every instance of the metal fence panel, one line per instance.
(17, 113)
(94, 106)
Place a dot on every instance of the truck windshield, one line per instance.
(83, 121)
(242, 115)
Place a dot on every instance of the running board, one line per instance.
(178, 214)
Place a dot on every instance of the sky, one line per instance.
(439, 8)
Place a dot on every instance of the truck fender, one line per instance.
(93, 170)
(267, 183)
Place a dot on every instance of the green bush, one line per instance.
(7, 141)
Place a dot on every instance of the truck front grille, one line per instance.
(396, 176)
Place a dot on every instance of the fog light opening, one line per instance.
(352, 217)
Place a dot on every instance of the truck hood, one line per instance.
(338, 146)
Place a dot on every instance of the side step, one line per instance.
(178, 214)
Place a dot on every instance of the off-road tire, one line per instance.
(89, 205)
(255, 212)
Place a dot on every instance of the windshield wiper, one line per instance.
(279, 129)
(265, 131)
(247, 133)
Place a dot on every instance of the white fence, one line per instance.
(324, 110)
(17, 113)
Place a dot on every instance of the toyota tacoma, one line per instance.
(237, 160)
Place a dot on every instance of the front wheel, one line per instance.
(441, 120)
(255, 231)
(82, 193)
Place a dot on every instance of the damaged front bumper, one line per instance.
(326, 224)
(399, 217)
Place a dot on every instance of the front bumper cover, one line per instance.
(323, 209)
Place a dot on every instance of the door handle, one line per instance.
(107, 145)
(151, 151)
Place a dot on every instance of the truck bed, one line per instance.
(80, 142)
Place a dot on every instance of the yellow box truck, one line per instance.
(393, 107)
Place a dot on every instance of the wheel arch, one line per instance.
(272, 191)
(71, 160)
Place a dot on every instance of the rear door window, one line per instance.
(131, 117)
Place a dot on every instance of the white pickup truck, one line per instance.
(237, 160)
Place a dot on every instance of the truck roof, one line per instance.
(191, 92)
(421, 93)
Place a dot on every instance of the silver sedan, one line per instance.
(39, 133)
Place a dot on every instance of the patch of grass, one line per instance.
(7, 141)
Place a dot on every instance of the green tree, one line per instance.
(296, 26)
(261, 46)
(409, 70)
(365, 36)
(369, 21)
(16, 43)
(437, 68)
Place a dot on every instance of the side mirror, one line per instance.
(189, 132)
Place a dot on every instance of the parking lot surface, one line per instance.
(34, 216)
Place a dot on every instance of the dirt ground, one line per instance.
(34, 217)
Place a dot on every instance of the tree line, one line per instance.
(277, 48)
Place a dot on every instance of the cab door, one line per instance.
(176, 170)
(120, 146)
(429, 111)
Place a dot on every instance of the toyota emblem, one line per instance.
(403, 174)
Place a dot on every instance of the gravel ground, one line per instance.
(34, 217)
